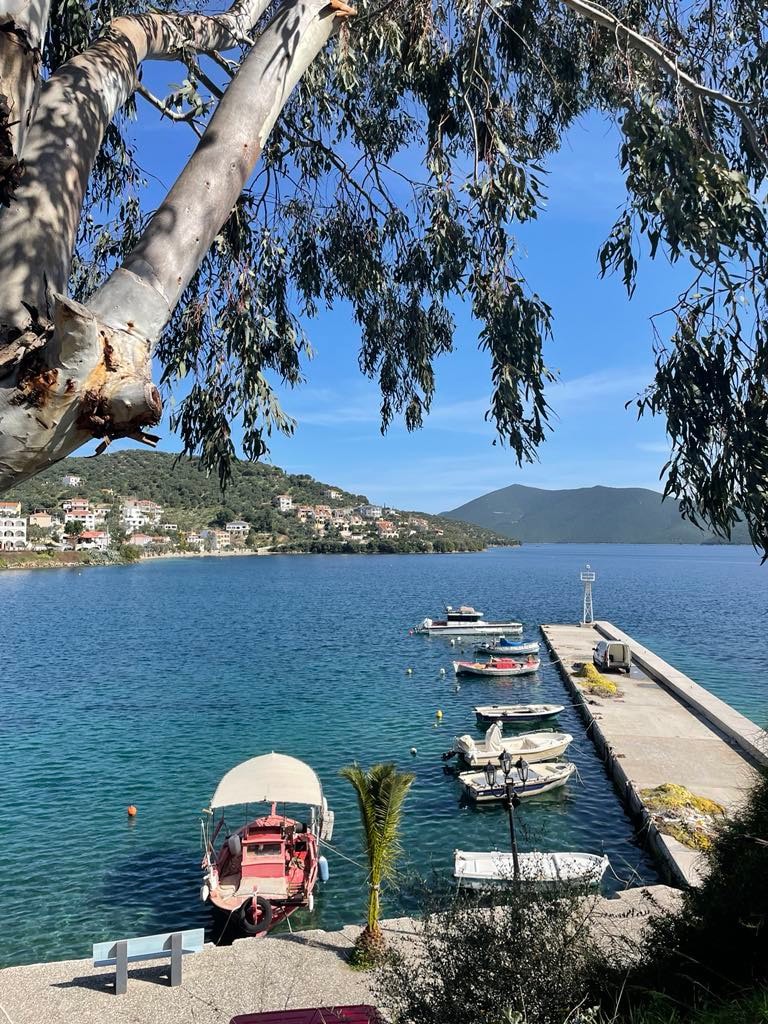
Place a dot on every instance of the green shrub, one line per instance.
(531, 959)
(716, 946)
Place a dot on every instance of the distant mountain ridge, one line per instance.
(598, 515)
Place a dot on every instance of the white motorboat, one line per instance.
(487, 713)
(488, 870)
(498, 667)
(508, 648)
(533, 746)
(464, 621)
(542, 778)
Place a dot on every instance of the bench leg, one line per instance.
(121, 968)
(176, 947)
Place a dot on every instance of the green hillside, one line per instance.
(193, 500)
(604, 515)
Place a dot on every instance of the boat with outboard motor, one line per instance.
(494, 868)
(487, 713)
(464, 621)
(257, 876)
(509, 648)
(533, 781)
(497, 667)
(533, 746)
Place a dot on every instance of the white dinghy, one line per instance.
(486, 713)
(494, 868)
(543, 778)
(505, 667)
(533, 746)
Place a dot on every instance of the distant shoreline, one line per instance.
(45, 562)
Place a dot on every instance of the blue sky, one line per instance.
(602, 351)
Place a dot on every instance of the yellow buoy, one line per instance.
(409, 671)
(438, 714)
(132, 810)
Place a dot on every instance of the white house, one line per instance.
(370, 511)
(140, 511)
(71, 481)
(92, 540)
(216, 540)
(13, 532)
(238, 529)
(89, 519)
(284, 502)
(332, 493)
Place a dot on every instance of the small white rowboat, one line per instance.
(508, 648)
(516, 712)
(542, 778)
(488, 870)
(533, 746)
(497, 667)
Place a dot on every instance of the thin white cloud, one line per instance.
(602, 384)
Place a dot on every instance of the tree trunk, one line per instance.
(69, 372)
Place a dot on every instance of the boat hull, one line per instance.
(491, 870)
(471, 628)
(262, 874)
(476, 788)
(470, 668)
(528, 747)
(508, 650)
(512, 713)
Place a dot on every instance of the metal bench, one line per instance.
(147, 947)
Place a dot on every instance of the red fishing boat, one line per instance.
(259, 874)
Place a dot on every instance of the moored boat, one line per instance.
(510, 648)
(464, 621)
(533, 746)
(543, 778)
(488, 870)
(257, 876)
(497, 667)
(487, 713)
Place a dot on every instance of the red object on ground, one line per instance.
(321, 1015)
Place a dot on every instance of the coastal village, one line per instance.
(77, 523)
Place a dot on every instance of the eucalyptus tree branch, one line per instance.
(182, 229)
(187, 117)
(666, 60)
(77, 104)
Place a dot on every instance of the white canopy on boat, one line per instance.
(266, 779)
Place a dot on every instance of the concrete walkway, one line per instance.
(650, 735)
(306, 969)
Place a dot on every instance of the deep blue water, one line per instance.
(144, 684)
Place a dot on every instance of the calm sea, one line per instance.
(145, 684)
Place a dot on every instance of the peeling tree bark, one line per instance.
(22, 30)
(80, 372)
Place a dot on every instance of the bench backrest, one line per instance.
(148, 947)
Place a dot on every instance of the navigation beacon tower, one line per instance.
(588, 577)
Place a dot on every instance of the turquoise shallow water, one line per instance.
(144, 684)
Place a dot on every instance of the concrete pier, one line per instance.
(664, 728)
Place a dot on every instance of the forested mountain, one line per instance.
(609, 515)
